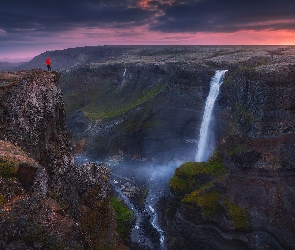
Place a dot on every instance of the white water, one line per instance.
(124, 74)
(156, 178)
(215, 83)
(157, 184)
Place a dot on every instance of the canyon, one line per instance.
(145, 104)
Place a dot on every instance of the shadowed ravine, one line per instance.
(154, 177)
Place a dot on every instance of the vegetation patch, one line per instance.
(193, 176)
(239, 215)
(124, 217)
(193, 183)
(95, 113)
(8, 168)
(179, 184)
(209, 201)
(10, 158)
(243, 112)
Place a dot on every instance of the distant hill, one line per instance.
(73, 58)
(5, 66)
(76, 57)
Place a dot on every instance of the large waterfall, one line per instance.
(216, 81)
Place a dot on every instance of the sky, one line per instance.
(30, 27)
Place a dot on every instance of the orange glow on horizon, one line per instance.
(142, 36)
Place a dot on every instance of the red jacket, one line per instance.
(48, 61)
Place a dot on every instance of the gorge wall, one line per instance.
(45, 200)
(149, 116)
(243, 197)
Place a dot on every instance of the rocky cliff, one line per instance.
(147, 103)
(45, 200)
(243, 198)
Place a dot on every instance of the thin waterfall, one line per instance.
(123, 77)
(215, 83)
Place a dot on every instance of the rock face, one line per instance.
(33, 117)
(252, 206)
(149, 116)
(45, 200)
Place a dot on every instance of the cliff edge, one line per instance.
(45, 200)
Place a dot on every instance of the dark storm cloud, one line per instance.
(60, 23)
(225, 15)
(54, 16)
(31, 16)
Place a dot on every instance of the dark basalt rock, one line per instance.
(26, 175)
(45, 200)
(254, 202)
(173, 97)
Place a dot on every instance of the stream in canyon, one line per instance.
(154, 177)
(141, 184)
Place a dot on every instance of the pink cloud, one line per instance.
(142, 36)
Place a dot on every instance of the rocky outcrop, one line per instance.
(45, 200)
(263, 108)
(33, 117)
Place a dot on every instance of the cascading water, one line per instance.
(146, 232)
(123, 77)
(215, 83)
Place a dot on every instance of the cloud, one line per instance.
(56, 16)
(56, 24)
(31, 16)
(225, 15)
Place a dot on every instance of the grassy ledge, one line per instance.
(124, 217)
(94, 113)
(193, 176)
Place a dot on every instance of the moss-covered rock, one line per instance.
(124, 218)
(8, 168)
(14, 162)
(193, 176)
(239, 215)
(208, 201)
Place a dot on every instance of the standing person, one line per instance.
(48, 63)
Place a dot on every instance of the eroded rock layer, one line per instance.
(243, 198)
(45, 200)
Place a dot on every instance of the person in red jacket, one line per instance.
(48, 64)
